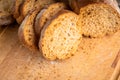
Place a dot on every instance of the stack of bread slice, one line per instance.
(53, 21)
(56, 31)
(23, 7)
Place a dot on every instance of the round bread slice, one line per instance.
(26, 31)
(47, 14)
(98, 20)
(60, 36)
(77, 4)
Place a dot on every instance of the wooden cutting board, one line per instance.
(93, 60)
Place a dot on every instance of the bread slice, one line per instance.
(16, 9)
(47, 14)
(26, 31)
(60, 36)
(28, 5)
(77, 4)
(98, 20)
(5, 12)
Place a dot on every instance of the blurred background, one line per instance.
(118, 2)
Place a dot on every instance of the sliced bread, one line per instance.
(98, 20)
(77, 4)
(28, 5)
(47, 14)
(60, 36)
(26, 31)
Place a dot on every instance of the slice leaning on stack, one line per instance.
(60, 36)
(26, 31)
(47, 14)
(98, 20)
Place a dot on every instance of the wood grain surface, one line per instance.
(93, 60)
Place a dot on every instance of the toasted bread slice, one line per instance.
(28, 5)
(77, 4)
(47, 14)
(26, 31)
(60, 36)
(98, 20)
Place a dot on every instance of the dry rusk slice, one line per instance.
(60, 36)
(26, 31)
(98, 20)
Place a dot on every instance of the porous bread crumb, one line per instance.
(60, 37)
(98, 20)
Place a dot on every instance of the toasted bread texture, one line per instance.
(60, 36)
(26, 31)
(98, 20)
(28, 5)
(47, 14)
(77, 4)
